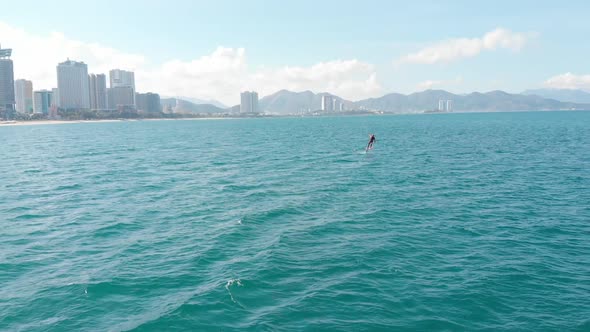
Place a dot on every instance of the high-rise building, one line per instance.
(121, 97)
(43, 99)
(121, 78)
(328, 103)
(23, 93)
(55, 99)
(54, 104)
(72, 82)
(445, 105)
(7, 99)
(249, 102)
(449, 105)
(148, 102)
(245, 102)
(336, 104)
(92, 90)
(98, 91)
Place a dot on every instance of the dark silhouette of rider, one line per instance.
(371, 141)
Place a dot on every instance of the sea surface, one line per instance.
(477, 222)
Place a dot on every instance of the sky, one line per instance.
(354, 49)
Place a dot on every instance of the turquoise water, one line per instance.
(452, 222)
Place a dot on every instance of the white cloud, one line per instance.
(454, 49)
(428, 84)
(431, 84)
(569, 81)
(35, 57)
(215, 76)
(350, 79)
(224, 73)
(220, 75)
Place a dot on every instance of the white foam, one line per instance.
(230, 283)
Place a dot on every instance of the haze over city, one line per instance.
(213, 51)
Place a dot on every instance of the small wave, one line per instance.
(19, 209)
(152, 187)
(228, 286)
(68, 187)
(275, 213)
(28, 216)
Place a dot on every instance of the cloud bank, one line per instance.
(220, 75)
(459, 48)
(569, 81)
(36, 57)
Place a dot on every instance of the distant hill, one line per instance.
(187, 107)
(397, 103)
(489, 101)
(288, 102)
(565, 95)
(199, 101)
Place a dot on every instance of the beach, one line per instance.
(57, 122)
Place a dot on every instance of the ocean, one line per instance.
(477, 222)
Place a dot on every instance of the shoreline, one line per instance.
(59, 122)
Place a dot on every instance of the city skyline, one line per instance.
(79, 91)
(82, 91)
(369, 50)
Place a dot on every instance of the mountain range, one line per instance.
(186, 107)
(566, 95)
(289, 102)
(198, 101)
